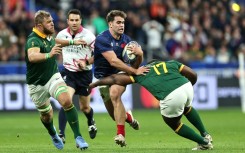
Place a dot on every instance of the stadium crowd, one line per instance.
(210, 31)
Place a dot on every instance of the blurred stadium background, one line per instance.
(206, 35)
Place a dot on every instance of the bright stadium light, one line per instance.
(235, 7)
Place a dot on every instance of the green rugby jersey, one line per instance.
(40, 73)
(162, 79)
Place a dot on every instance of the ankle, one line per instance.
(121, 130)
(129, 118)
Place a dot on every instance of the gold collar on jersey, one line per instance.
(41, 34)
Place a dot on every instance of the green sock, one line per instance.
(50, 127)
(188, 133)
(72, 118)
(195, 120)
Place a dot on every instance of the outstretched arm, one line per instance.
(120, 79)
(70, 42)
(189, 74)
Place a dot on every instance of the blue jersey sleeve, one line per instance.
(103, 44)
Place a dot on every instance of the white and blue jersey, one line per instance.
(105, 42)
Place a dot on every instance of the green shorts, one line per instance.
(105, 93)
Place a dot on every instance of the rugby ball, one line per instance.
(127, 55)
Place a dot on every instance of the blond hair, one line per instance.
(40, 16)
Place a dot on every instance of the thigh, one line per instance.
(62, 95)
(59, 90)
(116, 90)
(54, 84)
(173, 104)
(68, 78)
(188, 88)
(104, 93)
(39, 94)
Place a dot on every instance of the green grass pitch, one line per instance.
(23, 133)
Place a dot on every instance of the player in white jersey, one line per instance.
(77, 51)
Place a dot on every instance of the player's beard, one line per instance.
(48, 31)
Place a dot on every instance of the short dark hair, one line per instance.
(74, 11)
(113, 13)
(40, 15)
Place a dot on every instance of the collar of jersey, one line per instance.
(79, 30)
(39, 33)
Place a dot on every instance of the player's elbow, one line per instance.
(193, 78)
(31, 59)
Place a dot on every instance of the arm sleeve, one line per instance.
(103, 44)
(32, 43)
(180, 65)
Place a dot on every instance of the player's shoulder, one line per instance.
(33, 37)
(103, 37)
(175, 63)
(87, 34)
(64, 31)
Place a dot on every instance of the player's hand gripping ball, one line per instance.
(127, 55)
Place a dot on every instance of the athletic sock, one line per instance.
(90, 116)
(195, 119)
(188, 133)
(62, 121)
(50, 127)
(72, 118)
(121, 130)
(129, 118)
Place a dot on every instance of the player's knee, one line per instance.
(63, 97)
(173, 123)
(187, 110)
(46, 112)
(85, 109)
(47, 117)
(114, 96)
(66, 102)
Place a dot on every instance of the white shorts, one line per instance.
(40, 94)
(173, 105)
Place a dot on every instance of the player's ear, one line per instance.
(110, 24)
(40, 25)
